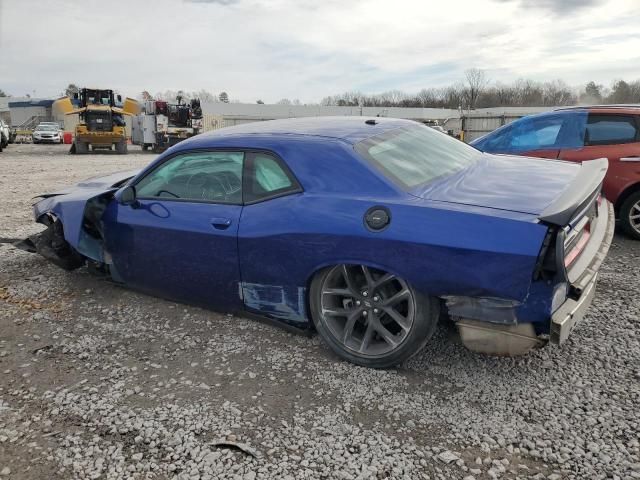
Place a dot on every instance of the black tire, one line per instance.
(121, 147)
(629, 209)
(51, 245)
(81, 147)
(145, 147)
(425, 312)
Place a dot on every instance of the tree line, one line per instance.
(478, 92)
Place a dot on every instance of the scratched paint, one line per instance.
(287, 303)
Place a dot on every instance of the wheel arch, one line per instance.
(626, 193)
(319, 268)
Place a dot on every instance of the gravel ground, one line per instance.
(100, 382)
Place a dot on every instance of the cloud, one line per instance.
(558, 6)
(270, 49)
(218, 2)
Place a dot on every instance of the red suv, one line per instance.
(583, 133)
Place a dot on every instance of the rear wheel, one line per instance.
(371, 317)
(630, 215)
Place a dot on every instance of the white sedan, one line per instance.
(47, 133)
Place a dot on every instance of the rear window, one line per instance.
(413, 156)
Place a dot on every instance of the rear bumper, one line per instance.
(571, 312)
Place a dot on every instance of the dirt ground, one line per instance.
(97, 381)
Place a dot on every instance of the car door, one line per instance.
(270, 194)
(179, 238)
(616, 137)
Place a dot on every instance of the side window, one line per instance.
(267, 177)
(496, 141)
(610, 129)
(203, 176)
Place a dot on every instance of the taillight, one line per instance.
(575, 245)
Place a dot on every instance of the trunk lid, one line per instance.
(519, 184)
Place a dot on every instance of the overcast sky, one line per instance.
(308, 49)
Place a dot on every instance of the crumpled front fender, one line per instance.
(79, 211)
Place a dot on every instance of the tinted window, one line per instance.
(268, 177)
(207, 176)
(415, 155)
(538, 132)
(542, 133)
(610, 129)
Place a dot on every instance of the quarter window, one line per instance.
(610, 130)
(203, 176)
(267, 177)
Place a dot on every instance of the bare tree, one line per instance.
(205, 96)
(476, 82)
(71, 89)
(557, 92)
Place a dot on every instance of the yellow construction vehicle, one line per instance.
(102, 123)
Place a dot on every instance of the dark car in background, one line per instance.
(578, 134)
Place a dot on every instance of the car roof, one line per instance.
(613, 108)
(348, 129)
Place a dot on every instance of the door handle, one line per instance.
(630, 159)
(221, 223)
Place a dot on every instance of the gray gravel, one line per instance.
(100, 382)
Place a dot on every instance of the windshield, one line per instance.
(48, 128)
(412, 156)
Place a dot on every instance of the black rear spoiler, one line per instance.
(580, 192)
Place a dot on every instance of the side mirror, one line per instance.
(119, 98)
(127, 196)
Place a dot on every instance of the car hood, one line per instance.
(105, 182)
(518, 184)
(108, 181)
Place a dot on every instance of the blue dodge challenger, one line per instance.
(367, 229)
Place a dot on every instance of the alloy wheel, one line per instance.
(634, 216)
(369, 311)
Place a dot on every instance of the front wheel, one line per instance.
(121, 147)
(370, 317)
(630, 215)
(81, 148)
